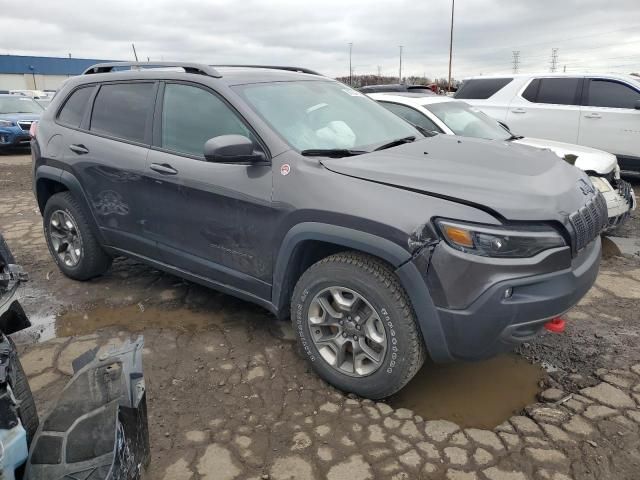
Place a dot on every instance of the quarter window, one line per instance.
(122, 110)
(605, 93)
(191, 116)
(559, 91)
(75, 106)
(412, 116)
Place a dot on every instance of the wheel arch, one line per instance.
(309, 242)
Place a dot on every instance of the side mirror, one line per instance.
(231, 149)
(637, 105)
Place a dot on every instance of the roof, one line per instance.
(415, 99)
(19, 64)
(558, 74)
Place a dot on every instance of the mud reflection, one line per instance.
(480, 394)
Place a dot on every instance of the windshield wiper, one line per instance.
(514, 137)
(331, 152)
(395, 143)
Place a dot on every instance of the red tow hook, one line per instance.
(556, 325)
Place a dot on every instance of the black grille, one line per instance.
(589, 221)
(25, 125)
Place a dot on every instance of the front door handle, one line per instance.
(518, 110)
(593, 115)
(79, 149)
(163, 168)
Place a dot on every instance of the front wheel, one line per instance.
(356, 325)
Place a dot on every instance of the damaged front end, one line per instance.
(98, 430)
(620, 198)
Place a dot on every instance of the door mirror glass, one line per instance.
(231, 149)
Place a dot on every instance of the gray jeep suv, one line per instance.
(293, 191)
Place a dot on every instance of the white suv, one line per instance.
(595, 110)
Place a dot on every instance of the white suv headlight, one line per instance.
(601, 184)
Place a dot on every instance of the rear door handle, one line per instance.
(518, 110)
(593, 115)
(163, 168)
(79, 149)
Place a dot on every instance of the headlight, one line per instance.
(601, 184)
(6, 123)
(502, 242)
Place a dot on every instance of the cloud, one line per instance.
(590, 35)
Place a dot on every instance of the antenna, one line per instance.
(554, 59)
(516, 61)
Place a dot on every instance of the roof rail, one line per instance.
(276, 67)
(198, 68)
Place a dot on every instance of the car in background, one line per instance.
(400, 87)
(17, 113)
(595, 110)
(455, 117)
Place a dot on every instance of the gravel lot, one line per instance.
(229, 398)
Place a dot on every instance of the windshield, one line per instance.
(466, 121)
(324, 115)
(19, 104)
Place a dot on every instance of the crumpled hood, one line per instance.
(589, 159)
(515, 182)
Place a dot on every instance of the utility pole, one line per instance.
(134, 51)
(400, 69)
(564, 69)
(554, 59)
(516, 60)
(453, 4)
(350, 68)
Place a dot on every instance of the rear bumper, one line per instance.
(491, 323)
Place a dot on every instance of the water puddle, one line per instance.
(479, 394)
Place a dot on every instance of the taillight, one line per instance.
(33, 130)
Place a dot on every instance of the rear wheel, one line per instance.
(356, 326)
(71, 242)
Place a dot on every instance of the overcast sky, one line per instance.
(594, 35)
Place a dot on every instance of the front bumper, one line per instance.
(483, 322)
(620, 204)
(14, 137)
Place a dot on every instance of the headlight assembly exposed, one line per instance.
(601, 184)
(501, 242)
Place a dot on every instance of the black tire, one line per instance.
(93, 259)
(375, 281)
(26, 404)
(6, 257)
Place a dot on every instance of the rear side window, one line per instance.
(121, 110)
(411, 116)
(605, 93)
(75, 107)
(558, 91)
(481, 88)
(531, 92)
(191, 116)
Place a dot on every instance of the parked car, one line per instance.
(595, 110)
(293, 191)
(455, 117)
(17, 113)
(400, 87)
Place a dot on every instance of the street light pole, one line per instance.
(350, 68)
(453, 3)
(400, 69)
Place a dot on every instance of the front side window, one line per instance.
(324, 115)
(466, 121)
(121, 110)
(18, 104)
(559, 91)
(605, 93)
(75, 106)
(191, 116)
(481, 88)
(411, 115)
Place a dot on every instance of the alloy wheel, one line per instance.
(65, 238)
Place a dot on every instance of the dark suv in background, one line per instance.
(293, 191)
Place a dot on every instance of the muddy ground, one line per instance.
(229, 394)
